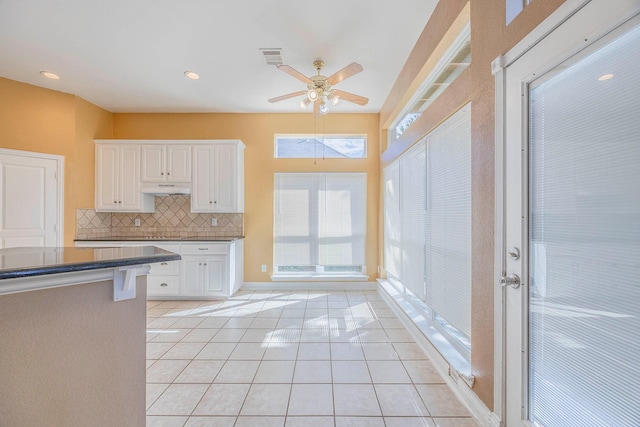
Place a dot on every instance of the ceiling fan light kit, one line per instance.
(319, 88)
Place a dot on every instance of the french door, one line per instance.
(572, 223)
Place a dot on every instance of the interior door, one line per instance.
(28, 200)
(572, 224)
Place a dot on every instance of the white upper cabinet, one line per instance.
(118, 180)
(166, 163)
(215, 169)
(218, 178)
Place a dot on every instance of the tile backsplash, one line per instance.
(172, 218)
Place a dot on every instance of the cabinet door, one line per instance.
(202, 185)
(129, 178)
(224, 179)
(192, 277)
(153, 169)
(107, 165)
(178, 161)
(215, 268)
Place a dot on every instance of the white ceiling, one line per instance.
(130, 55)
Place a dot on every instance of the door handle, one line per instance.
(511, 280)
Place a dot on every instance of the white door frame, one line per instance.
(60, 185)
(574, 26)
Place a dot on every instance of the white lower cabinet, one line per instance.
(204, 276)
(207, 269)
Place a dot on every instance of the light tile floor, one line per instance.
(291, 359)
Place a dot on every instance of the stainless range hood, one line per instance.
(165, 189)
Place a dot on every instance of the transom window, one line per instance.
(325, 146)
(452, 64)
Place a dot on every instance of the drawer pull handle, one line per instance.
(164, 263)
(164, 285)
(203, 249)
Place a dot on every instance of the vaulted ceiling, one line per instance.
(131, 55)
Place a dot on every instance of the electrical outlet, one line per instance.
(264, 268)
(214, 222)
(136, 222)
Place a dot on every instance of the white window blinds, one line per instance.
(392, 248)
(319, 223)
(412, 218)
(584, 249)
(448, 221)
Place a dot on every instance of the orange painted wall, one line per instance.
(257, 132)
(47, 121)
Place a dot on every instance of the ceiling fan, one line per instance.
(320, 88)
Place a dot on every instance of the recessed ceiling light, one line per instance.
(50, 75)
(605, 77)
(192, 75)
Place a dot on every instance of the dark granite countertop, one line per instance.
(37, 261)
(150, 240)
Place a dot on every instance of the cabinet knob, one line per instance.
(210, 202)
(164, 285)
(115, 201)
(168, 173)
(161, 173)
(120, 201)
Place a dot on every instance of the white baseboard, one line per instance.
(309, 286)
(483, 415)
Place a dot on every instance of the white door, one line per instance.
(29, 205)
(572, 223)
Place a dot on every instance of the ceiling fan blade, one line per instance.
(356, 99)
(346, 72)
(297, 74)
(316, 107)
(287, 96)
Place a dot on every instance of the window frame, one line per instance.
(317, 271)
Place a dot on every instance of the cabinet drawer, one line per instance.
(168, 268)
(204, 249)
(162, 285)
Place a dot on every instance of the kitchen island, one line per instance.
(72, 335)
